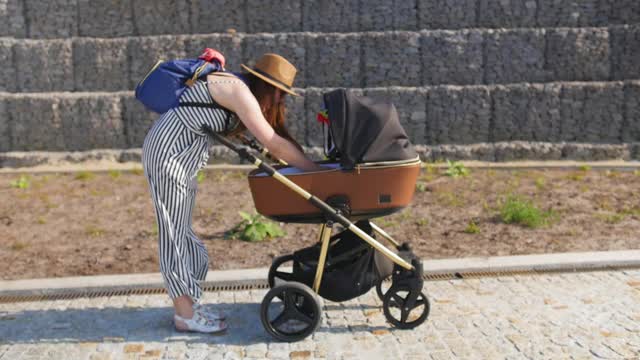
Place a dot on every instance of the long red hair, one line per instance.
(273, 112)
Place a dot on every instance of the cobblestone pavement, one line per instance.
(553, 316)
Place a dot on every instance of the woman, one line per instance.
(176, 148)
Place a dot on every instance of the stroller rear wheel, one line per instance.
(290, 312)
(405, 308)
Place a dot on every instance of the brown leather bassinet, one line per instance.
(377, 166)
(369, 190)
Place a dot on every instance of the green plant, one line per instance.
(636, 172)
(451, 199)
(137, 171)
(422, 222)
(421, 187)
(22, 183)
(93, 231)
(456, 169)
(115, 174)
(522, 211)
(386, 223)
(575, 176)
(585, 167)
(429, 168)
(612, 174)
(614, 218)
(254, 228)
(540, 182)
(84, 175)
(200, 177)
(42, 220)
(634, 211)
(472, 228)
(18, 245)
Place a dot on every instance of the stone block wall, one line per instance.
(460, 72)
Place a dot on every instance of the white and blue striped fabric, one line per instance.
(174, 150)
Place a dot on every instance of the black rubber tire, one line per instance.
(393, 299)
(300, 304)
(379, 291)
(273, 269)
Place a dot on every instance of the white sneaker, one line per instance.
(199, 323)
(208, 312)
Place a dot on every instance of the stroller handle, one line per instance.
(331, 213)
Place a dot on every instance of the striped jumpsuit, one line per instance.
(174, 150)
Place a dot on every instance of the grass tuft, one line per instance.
(576, 176)
(519, 210)
(421, 187)
(254, 228)
(137, 171)
(84, 176)
(200, 177)
(472, 228)
(19, 245)
(22, 183)
(94, 231)
(114, 174)
(456, 169)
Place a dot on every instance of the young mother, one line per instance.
(176, 148)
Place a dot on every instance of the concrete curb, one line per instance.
(544, 262)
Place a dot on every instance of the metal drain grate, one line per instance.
(63, 294)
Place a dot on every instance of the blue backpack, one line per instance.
(161, 88)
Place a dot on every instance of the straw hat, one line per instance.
(275, 70)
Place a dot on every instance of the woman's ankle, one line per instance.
(183, 306)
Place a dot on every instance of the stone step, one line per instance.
(372, 59)
(68, 18)
(594, 112)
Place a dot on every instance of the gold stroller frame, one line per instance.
(406, 282)
(325, 228)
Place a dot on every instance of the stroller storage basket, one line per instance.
(351, 268)
(370, 190)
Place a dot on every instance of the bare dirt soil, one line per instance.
(103, 223)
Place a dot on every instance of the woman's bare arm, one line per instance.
(236, 96)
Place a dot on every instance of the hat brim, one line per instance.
(270, 81)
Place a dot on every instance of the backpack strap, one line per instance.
(196, 75)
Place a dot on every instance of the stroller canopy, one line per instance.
(365, 130)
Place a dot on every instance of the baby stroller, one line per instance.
(373, 172)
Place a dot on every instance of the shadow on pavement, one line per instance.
(141, 324)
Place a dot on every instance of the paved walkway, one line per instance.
(554, 316)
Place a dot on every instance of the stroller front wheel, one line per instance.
(274, 273)
(382, 287)
(290, 312)
(405, 308)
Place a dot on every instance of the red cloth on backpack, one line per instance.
(210, 55)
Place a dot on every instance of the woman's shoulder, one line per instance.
(229, 90)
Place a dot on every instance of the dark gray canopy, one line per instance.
(365, 130)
